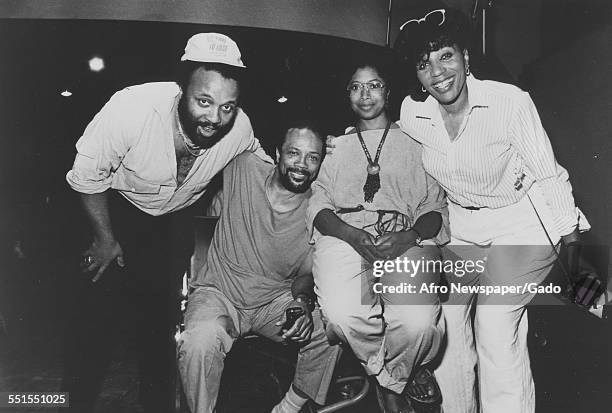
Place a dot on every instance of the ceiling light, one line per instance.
(96, 64)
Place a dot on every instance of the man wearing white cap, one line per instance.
(149, 153)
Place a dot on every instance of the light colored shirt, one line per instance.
(256, 252)
(404, 185)
(501, 150)
(129, 147)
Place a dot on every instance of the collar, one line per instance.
(477, 98)
(161, 96)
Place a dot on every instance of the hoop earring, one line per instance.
(423, 89)
(467, 71)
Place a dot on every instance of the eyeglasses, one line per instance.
(373, 86)
(437, 17)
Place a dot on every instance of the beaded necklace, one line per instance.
(372, 184)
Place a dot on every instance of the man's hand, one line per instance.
(104, 248)
(329, 144)
(365, 244)
(302, 329)
(100, 255)
(394, 244)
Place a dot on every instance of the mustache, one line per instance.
(305, 172)
(206, 124)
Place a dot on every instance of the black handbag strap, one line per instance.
(554, 248)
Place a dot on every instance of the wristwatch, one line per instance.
(306, 299)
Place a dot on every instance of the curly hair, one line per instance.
(381, 60)
(417, 40)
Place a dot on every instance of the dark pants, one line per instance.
(137, 304)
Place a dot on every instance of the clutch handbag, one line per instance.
(585, 287)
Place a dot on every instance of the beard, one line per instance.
(298, 188)
(190, 127)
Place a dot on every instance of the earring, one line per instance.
(423, 89)
(467, 71)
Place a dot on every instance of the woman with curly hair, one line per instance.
(509, 200)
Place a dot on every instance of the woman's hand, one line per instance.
(329, 144)
(573, 243)
(394, 244)
(365, 244)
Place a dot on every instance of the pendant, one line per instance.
(373, 169)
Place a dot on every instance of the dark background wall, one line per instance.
(343, 18)
(558, 50)
(571, 85)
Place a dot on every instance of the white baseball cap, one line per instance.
(212, 48)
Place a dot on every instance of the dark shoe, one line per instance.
(391, 402)
(424, 388)
(309, 407)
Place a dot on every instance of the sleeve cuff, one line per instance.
(86, 186)
(568, 223)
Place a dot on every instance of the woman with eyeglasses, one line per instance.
(509, 202)
(375, 211)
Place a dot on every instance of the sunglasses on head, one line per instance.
(437, 17)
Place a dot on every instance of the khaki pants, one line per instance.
(391, 334)
(212, 324)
